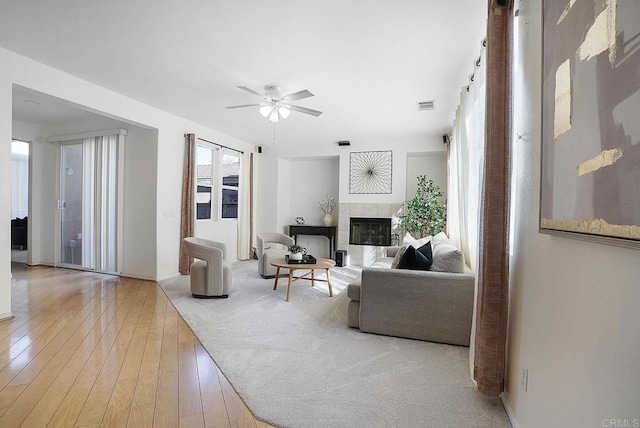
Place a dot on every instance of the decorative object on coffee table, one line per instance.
(370, 172)
(299, 220)
(296, 252)
(306, 259)
(327, 204)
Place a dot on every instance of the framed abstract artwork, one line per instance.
(590, 151)
(370, 172)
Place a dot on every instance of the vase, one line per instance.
(327, 219)
(295, 256)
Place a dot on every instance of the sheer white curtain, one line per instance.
(466, 160)
(466, 157)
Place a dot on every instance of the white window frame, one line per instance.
(222, 186)
(214, 213)
(217, 186)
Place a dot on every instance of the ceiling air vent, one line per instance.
(426, 105)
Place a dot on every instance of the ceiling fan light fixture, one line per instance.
(265, 111)
(284, 112)
(275, 106)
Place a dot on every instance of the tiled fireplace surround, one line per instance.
(364, 255)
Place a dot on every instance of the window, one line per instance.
(19, 179)
(216, 166)
(230, 176)
(204, 181)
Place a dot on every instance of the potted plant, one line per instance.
(296, 252)
(426, 213)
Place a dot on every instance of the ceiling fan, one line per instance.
(275, 106)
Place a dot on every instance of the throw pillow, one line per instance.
(416, 259)
(447, 258)
(439, 239)
(415, 242)
(398, 256)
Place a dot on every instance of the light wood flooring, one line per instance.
(90, 350)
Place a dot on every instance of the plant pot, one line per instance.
(327, 219)
(295, 256)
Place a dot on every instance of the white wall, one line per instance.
(574, 318)
(30, 74)
(140, 202)
(433, 165)
(281, 193)
(266, 191)
(311, 180)
(5, 197)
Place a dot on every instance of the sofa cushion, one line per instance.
(383, 262)
(398, 256)
(416, 259)
(447, 258)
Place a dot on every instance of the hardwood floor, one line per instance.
(89, 350)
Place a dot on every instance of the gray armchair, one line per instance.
(270, 247)
(210, 272)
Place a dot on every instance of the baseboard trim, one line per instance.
(507, 407)
(164, 278)
(6, 316)
(128, 275)
(40, 264)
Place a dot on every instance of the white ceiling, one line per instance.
(367, 61)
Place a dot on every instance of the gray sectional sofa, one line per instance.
(424, 305)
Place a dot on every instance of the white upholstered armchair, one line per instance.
(271, 246)
(210, 272)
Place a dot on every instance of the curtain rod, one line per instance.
(220, 145)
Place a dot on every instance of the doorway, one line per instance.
(19, 200)
(87, 203)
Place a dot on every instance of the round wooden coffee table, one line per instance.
(321, 263)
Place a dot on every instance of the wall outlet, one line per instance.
(524, 376)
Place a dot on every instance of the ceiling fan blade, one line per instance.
(244, 105)
(251, 91)
(298, 95)
(312, 112)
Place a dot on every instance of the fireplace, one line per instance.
(370, 231)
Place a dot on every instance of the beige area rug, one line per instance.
(297, 364)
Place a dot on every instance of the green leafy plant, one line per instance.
(297, 249)
(426, 213)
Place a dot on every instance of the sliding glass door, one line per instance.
(70, 204)
(88, 203)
